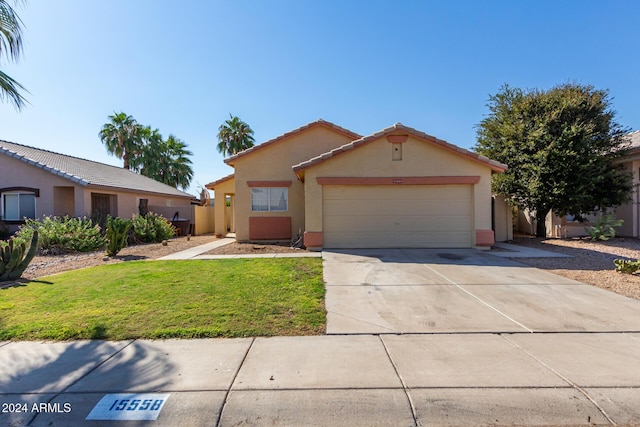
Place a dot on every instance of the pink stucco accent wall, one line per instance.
(270, 228)
(313, 239)
(484, 238)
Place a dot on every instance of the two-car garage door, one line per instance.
(379, 216)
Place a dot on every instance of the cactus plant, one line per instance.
(626, 266)
(117, 229)
(15, 257)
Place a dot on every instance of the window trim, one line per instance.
(269, 206)
(17, 191)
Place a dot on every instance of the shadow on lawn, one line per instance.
(129, 257)
(21, 283)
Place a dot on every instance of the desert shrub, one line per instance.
(152, 228)
(117, 230)
(626, 266)
(604, 227)
(63, 234)
(16, 255)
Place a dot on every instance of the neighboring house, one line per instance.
(35, 183)
(629, 212)
(398, 187)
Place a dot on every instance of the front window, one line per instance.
(273, 199)
(16, 206)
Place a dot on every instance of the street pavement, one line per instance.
(416, 337)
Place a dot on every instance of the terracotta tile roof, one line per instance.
(86, 172)
(399, 127)
(319, 122)
(219, 181)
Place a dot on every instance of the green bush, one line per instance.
(603, 229)
(626, 266)
(152, 228)
(117, 230)
(63, 234)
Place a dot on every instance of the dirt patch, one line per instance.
(252, 248)
(592, 261)
(52, 264)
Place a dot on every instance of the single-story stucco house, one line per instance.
(398, 187)
(629, 212)
(36, 183)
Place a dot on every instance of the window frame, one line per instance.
(18, 193)
(269, 205)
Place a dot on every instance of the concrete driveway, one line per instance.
(462, 291)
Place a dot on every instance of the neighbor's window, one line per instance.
(16, 206)
(265, 199)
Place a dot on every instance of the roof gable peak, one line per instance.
(320, 122)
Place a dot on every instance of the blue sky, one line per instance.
(183, 67)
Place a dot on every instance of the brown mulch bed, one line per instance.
(252, 248)
(592, 261)
(52, 264)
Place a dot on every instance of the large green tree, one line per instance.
(167, 160)
(560, 145)
(11, 47)
(234, 135)
(122, 136)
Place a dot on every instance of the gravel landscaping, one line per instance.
(592, 261)
(51, 264)
(252, 248)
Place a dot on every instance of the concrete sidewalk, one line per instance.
(366, 380)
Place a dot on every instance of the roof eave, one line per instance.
(44, 167)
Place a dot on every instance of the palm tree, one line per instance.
(179, 169)
(234, 135)
(123, 138)
(11, 46)
(166, 161)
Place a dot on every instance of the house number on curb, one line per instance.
(126, 406)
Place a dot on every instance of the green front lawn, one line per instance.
(169, 299)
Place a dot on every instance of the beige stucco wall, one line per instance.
(419, 159)
(274, 163)
(503, 219)
(204, 219)
(630, 212)
(128, 201)
(219, 205)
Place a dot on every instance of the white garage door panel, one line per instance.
(432, 206)
(397, 223)
(397, 216)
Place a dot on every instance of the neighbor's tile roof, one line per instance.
(319, 122)
(494, 165)
(86, 172)
(634, 138)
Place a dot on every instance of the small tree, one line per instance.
(560, 146)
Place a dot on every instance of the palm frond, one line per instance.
(10, 89)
